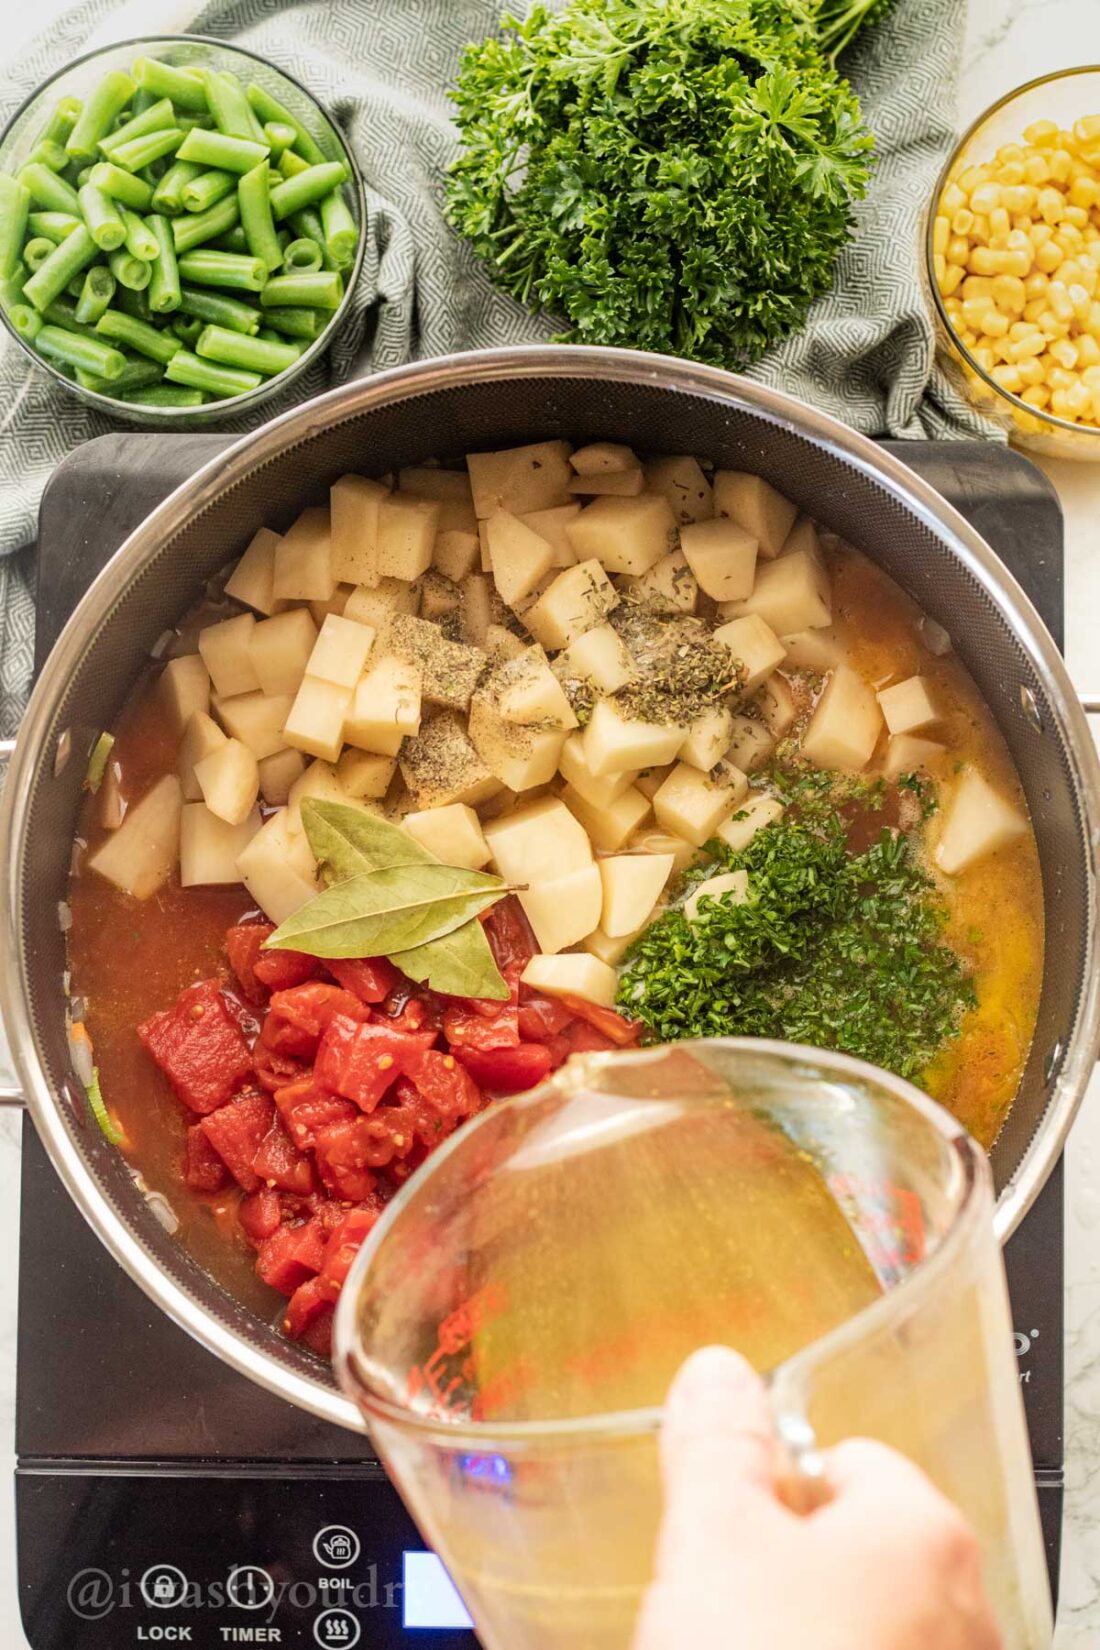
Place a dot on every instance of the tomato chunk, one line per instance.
(509, 934)
(203, 1169)
(310, 1007)
(362, 1061)
(507, 1070)
(310, 1301)
(279, 970)
(260, 1214)
(619, 1031)
(348, 1153)
(345, 1243)
(199, 1046)
(468, 1024)
(236, 1133)
(370, 978)
(318, 1336)
(305, 1108)
(279, 1162)
(447, 1087)
(291, 1255)
(244, 947)
(540, 1018)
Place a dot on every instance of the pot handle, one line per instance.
(11, 1096)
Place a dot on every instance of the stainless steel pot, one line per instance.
(480, 401)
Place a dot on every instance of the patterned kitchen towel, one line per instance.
(382, 67)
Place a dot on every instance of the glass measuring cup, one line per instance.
(512, 1323)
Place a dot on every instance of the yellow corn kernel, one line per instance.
(1016, 263)
(963, 221)
(1036, 170)
(1080, 299)
(1094, 410)
(1010, 293)
(1010, 174)
(1059, 379)
(1069, 238)
(1048, 257)
(941, 234)
(1023, 347)
(1082, 192)
(1042, 133)
(973, 178)
(1079, 399)
(1009, 153)
(1088, 351)
(1034, 308)
(1067, 274)
(1059, 300)
(1051, 205)
(968, 337)
(1021, 329)
(1032, 371)
(1066, 140)
(983, 357)
(1036, 395)
(953, 310)
(1020, 197)
(957, 250)
(974, 309)
(1076, 216)
(985, 198)
(984, 261)
(1034, 287)
(993, 324)
(1051, 326)
(1061, 165)
(952, 279)
(1087, 129)
(952, 200)
(1064, 351)
(1018, 241)
(979, 230)
(1008, 377)
(1090, 277)
(1093, 323)
(1091, 155)
(1039, 234)
(1024, 221)
(1091, 376)
(939, 267)
(1001, 347)
(1000, 226)
(977, 286)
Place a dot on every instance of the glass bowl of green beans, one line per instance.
(181, 230)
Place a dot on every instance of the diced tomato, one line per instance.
(274, 1070)
(279, 970)
(540, 1017)
(370, 978)
(291, 1255)
(413, 1011)
(310, 1300)
(261, 1214)
(236, 1132)
(347, 1154)
(305, 1108)
(507, 1070)
(279, 1162)
(285, 1038)
(244, 946)
(411, 1119)
(445, 1085)
(310, 1007)
(345, 1243)
(481, 1025)
(200, 1047)
(362, 1061)
(621, 1032)
(318, 1337)
(203, 1170)
(509, 934)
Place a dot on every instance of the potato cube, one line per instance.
(337, 602)
(977, 821)
(612, 824)
(650, 840)
(525, 690)
(818, 651)
(600, 791)
(625, 535)
(669, 586)
(318, 781)
(708, 738)
(363, 775)
(907, 754)
(751, 746)
(386, 707)
(252, 581)
(354, 502)
(141, 855)
(632, 885)
(615, 741)
(256, 719)
(599, 658)
(776, 707)
(731, 888)
(756, 812)
(845, 726)
(522, 606)
(406, 536)
(502, 644)
(755, 505)
(573, 974)
(518, 756)
(551, 525)
(683, 483)
(693, 804)
(225, 651)
(563, 911)
(602, 458)
(476, 610)
(802, 536)
(790, 594)
(303, 558)
(316, 721)
(340, 652)
(280, 650)
(183, 689)
(722, 556)
(579, 598)
(452, 834)
(520, 479)
(537, 837)
(275, 870)
(230, 781)
(449, 671)
(755, 645)
(519, 558)
(611, 483)
(377, 606)
(439, 596)
(201, 736)
(277, 775)
(210, 847)
(608, 950)
(650, 780)
(451, 491)
(907, 705)
(456, 554)
(439, 765)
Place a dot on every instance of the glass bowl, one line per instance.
(1063, 97)
(76, 80)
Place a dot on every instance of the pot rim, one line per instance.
(597, 363)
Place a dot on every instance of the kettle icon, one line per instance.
(339, 1548)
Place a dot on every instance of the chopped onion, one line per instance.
(80, 1051)
(934, 636)
(162, 641)
(64, 916)
(163, 1212)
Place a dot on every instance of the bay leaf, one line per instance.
(381, 912)
(461, 964)
(349, 841)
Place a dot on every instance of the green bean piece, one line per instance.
(341, 234)
(218, 309)
(306, 187)
(253, 196)
(183, 86)
(129, 271)
(36, 251)
(185, 368)
(168, 194)
(207, 189)
(229, 154)
(278, 136)
(104, 218)
(78, 176)
(265, 107)
(302, 257)
(163, 395)
(226, 269)
(164, 283)
(75, 287)
(187, 327)
(307, 223)
(233, 349)
(140, 240)
(291, 163)
(15, 205)
(159, 117)
(25, 319)
(137, 335)
(233, 241)
(74, 350)
(70, 256)
(49, 191)
(323, 290)
(61, 122)
(95, 295)
(62, 313)
(142, 151)
(121, 186)
(134, 301)
(306, 324)
(136, 375)
(51, 155)
(196, 227)
(230, 108)
(98, 114)
(54, 225)
(141, 100)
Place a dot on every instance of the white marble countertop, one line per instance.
(1008, 42)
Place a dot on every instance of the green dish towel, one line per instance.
(381, 67)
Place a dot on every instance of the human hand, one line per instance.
(886, 1564)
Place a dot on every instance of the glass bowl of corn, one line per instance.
(1013, 264)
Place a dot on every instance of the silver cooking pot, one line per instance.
(472, 402)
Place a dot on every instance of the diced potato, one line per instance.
(386, 707)
(476, 611)
(652, 841)
(579, 598)
(573, 974)
(363, 775)
(776, 707)
(354, 502)
(449, 671)
(522, 606)
(230, 781)
(316, 721)
(303, 558)
(453, 834)
(340, 652)
(337, 602)
(253, 579)
(615, 741)
(440, 765)
(816, 650)
(609, 951)
(683, 483)
(551, 525)
(201, 736)
(564, 911)
(455, 554)
(377, 606)
(439, 596)
(601, 458)
(502, 644)
(451, 491)
(693, 804)
(611, 483)
(274, 870)
(755, 644)
(908, 705)
(257, 720)
(731, 888)
(802, 536)
(722, 556)
(277, 775)
(525, 690)
(319, 781)
(484, 548)
(210, 847)
(280, 649)
(521, 479)
(611, 825)
(669, 585)
(649, 780)
(625, 535)
(142, 853)
(598, 657)
(708, 738)
(755, 505)
(751, 746)
(406, 536)
(756, 812)
(183, 689)
(790, 594)
(632, 885)
(536, 838)
(518, 556)
(518, 756)
(977, 821)
(598, 790)
(846, 724)
(907, 754)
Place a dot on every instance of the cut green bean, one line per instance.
(233, 241)
(229, 154)
(98, 114)
(168, 194)
(140, 240)
(95, 295)
(62, 313)
(278, 136)
(134, 301)
(15, 205)
(70, 256)
(318, 291)
(74, 350)
(36, 251)
(230, 108)
(141, 100)
(217, 309)
(188, 328)
(225, 269)
(159, 117)
(164, 284)
(291, 163)
(75, 287)
(341, 234)
(186, 368)
(306, 187)
(121, 186)
(54, 225)
(129, 271)
(265, 107)
(142, 151)
(137, 335)
(79, 176)
(104, 218)
(183, 86)
(302, 257)
(61, 122)
(47, 190)
(259, 227)
(51, 155)
(196, 227)
(163, 395)
(233, 349)
(207, 189)
(26, 320)
(306, 324)
(136, 375)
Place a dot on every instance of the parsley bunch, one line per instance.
(672, 175)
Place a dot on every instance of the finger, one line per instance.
(862, 1472)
